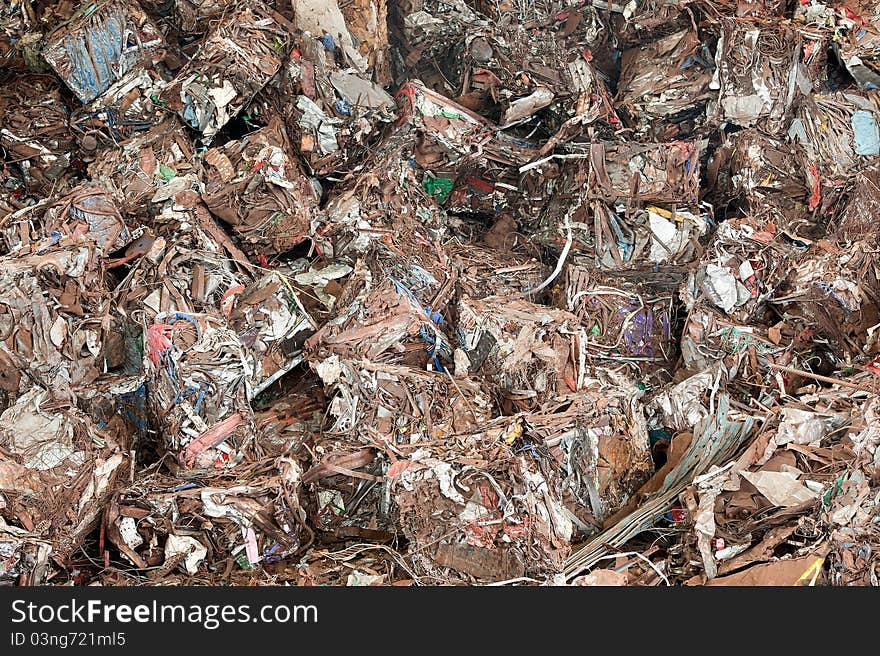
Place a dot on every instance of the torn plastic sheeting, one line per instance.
(359, 92)
(681, 406)
(236, 60)
(866, 133)
(320, 18)
(313, 118)
(102, 43)
(804, 427)
(780, 488)
(192, 550)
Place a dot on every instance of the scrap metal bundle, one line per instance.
(439, 291)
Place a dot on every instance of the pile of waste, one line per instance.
(439, 292)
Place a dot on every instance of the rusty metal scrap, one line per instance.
(428, 292)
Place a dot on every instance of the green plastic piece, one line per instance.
(439, 188)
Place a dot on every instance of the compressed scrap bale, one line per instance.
(53, 308)
(744, 351)
(100, 45)
(372, 404)
(89, 212)
(479, 512)
(190, 19)
(236, 60)
(856, 36)
(838, 132)
(486, 271)
(395, 404)
(455, 127)
(598, 443)
(272, 325)
(531, 352)
(858, 220)
(427, 36)
(519, 483)
(664, 85)
(463, 161)
(156, 523)
(126, 109)
(653, 172)
(195, 261)
(647, 21)
(619, 237)
(626, 320)
(59, 469)
(293, 420)
(15, 21)
(138, 167)
(35, 134)
(743, 266)
(24, 557)
(511, 69)
(384, 198)
(256, 186)
(767, 176)
(758, 73)
(330, 132)
(662, 173)
(392, 308)
(833, 291)
(198, 390)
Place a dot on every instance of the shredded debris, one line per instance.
(439, 292)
